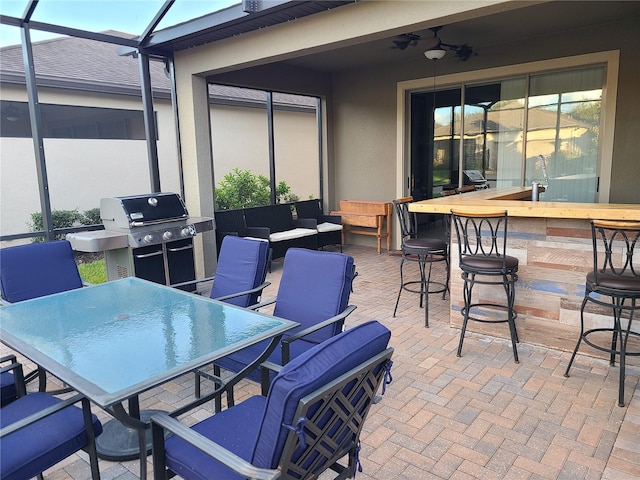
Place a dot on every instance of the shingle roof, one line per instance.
(78, 63)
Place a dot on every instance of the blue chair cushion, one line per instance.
(38, 446)
(223, 428)
(37, 269)
(253, 429)
(309, 371)
(8, 389)
(315, 286)
(242, 265)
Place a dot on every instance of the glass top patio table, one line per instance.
(116, 340)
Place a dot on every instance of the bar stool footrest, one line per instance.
(492, 306)
(591, 343)
(441, 287)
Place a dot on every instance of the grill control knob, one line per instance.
(147, 238)
(185, 232)
(167, 235)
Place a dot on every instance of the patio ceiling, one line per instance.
(512, 22)
(520, 24)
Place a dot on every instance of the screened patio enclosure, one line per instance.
(342, 53)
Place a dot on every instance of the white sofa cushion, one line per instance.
(289, 234)
(329, 227)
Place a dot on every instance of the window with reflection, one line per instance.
(537, 128)
(563, 133)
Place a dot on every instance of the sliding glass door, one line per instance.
(515, 131)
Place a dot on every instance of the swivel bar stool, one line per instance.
(482, 245)
(423, 251)
(615, 276)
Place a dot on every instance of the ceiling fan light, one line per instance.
(435, 53)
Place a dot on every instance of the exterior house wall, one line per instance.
(362, 104)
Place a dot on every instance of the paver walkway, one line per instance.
(480, 416)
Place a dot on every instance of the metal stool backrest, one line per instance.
(481, 234)
(615, 269)
(407, 219)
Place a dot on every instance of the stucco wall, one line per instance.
(80, 172)
(362, 102)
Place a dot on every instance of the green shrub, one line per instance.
(241, 189)
(64, 219)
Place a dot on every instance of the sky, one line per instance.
(132, 16)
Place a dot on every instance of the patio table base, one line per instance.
(119, 443)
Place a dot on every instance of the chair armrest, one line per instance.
(262, 304)
(8, 358)
(332, 219)
(259, 288)
(258, 232)
(18, 374)
(311, 223)
(286, 355)
(192, 282)
(162, 421)
(45, 412)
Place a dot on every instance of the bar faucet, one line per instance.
(535, 186)
(543, 162)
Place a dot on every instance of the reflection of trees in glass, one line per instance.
(589, 113)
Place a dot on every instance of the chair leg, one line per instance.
(623, 346)
(424, 289)
(446, 285)
(469, 280)
(511, 294)
(401, 286)
(91, 440)
(575, 350)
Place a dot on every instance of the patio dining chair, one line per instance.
(241, 271)
(314, 291)
(39, 430)
(311, 418)
(35, 270)
(240, 276)
(8, 390)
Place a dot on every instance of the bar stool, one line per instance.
(423, 251)
(482, 245)
(616, 276)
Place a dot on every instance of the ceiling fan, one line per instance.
(405, 40)
(436, 47)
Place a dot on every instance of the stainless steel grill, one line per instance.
(147, 236)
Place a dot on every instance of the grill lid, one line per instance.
(140, 210)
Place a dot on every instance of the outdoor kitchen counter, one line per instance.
(552, 241)
(517, 201)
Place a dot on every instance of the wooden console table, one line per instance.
(368, 218)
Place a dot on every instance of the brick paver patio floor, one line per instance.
(443, 417)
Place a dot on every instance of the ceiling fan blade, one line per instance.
(400, 44)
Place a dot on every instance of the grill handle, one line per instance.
(147, 255)
(180, 249)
